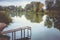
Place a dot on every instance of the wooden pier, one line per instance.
(27, 28)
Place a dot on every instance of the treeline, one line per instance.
(32, 7)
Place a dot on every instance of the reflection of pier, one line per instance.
(23, 37)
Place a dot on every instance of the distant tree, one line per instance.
(20, 9)
(28, 7)
(39, 6)
(34, 6)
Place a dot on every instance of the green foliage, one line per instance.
(16, 11)
(34, 7)
(48, 23)
(4, 18)
(33, 17)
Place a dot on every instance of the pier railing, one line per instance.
(13, 31)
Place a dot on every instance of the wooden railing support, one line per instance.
(12, 36)
(24, 33)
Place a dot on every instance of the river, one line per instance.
(39, 30)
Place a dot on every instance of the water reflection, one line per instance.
(49, 22)
(39, 30)
(52, 22)
(34, 17)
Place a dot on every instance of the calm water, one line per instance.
(39, 30)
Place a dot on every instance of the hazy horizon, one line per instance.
(18, 2)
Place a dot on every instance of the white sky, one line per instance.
(18, 2)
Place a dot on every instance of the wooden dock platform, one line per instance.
(13, 31)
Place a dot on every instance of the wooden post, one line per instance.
(21, 33)
(30, 33)
(12, 35)
(27, 33)
(24, 33)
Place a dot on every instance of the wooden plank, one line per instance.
(24, 33)
(14, 30)
(14, 35)
(30, 33)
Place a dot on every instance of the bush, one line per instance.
(4, 18)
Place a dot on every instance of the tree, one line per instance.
(54, 12)
(28, 7)
(4, 20)
(34, 6)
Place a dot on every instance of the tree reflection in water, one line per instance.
(34, 17)
(48, 23)
(51, 22)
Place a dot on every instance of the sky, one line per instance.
(18, 2)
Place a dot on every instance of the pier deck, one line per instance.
(13, 31)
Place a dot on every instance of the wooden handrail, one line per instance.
(14, 30)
